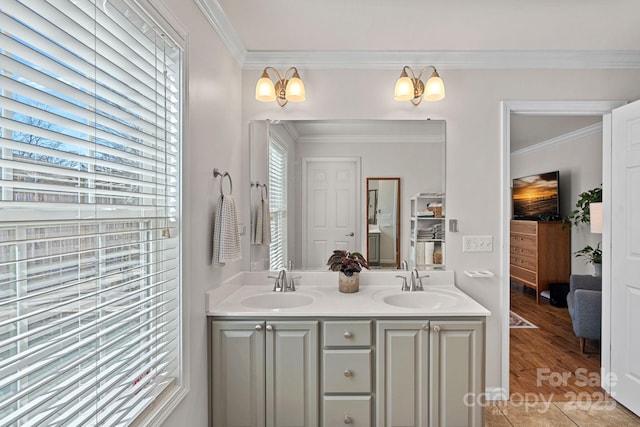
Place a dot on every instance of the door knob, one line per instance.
(350, 234)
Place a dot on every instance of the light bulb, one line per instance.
(434, 89)
(404, 88)
(265, 91)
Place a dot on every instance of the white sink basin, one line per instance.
(427, 300)
(276, 300)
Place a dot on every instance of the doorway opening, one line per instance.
(545, 359)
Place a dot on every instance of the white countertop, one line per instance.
(251, 294)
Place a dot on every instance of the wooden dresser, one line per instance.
(540, 254)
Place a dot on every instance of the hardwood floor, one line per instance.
(546, 363)
(551, 382)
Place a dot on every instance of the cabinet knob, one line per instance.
(269, 328)
(348, 373)
(425, 327)
(258, 328)
(435, 328)
(347, 419)
(347, 335)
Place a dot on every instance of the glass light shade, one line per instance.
(596, 217)
(434, 89)
(404, 89)
(265, 92)
(295, 90)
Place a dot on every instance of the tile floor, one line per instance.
(559, 414)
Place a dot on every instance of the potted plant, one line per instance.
(593, 256)
(349, 265)
(582, 213)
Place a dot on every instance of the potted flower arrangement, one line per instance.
(349, 264)
(593, 256)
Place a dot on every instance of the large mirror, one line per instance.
(317, 189)
(383, 222)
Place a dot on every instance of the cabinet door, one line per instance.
(237, 374)
(457, 367)
(292, 374)
(402, 373)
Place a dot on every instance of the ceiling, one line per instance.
(295, 26)
(435, 25)
(528, 130)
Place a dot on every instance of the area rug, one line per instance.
(517, 321)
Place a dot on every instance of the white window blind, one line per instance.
(90, 122)
(278, 204)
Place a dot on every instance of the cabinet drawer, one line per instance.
(347, 410)
(528, 227)
(524, 275)
(523, 241)
(524, 262)
(347, 334)
(347, 371)
(529, 252)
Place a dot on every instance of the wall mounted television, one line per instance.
(537, 197)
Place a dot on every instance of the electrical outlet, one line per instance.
(477, 243)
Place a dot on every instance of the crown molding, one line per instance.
(567, 137)
(213, 12)
(445, 59)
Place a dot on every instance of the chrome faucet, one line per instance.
(281, 283)
(404, 265)
(416, 280)
(404, 287)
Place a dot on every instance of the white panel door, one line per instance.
(625, 255)
(331, 197)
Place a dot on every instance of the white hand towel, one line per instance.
(226, 237)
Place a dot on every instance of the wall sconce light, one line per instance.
(412, 89)
(289, 88)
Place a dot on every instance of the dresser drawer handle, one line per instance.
(347, 335)
(347, 419)
(348, 373)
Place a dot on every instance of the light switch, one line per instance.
(477, 243)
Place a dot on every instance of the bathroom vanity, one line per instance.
(316, 357)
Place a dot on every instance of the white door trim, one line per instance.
(561, 108)
(358, 210)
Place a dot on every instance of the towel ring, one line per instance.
(217, 173)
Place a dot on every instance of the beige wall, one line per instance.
(212, 139)
(474, 152)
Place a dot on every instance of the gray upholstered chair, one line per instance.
(585, 306)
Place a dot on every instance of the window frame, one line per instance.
(162, 406)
